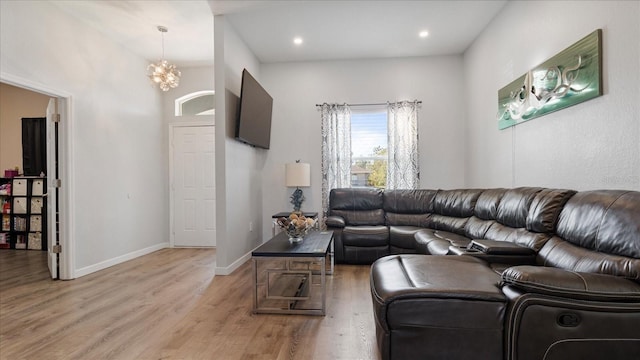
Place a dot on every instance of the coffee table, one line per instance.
(290, 278)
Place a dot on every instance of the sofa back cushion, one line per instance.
(545, 209)
(408, 207)
(606, 221)
(485, 213)
(514, 206)
(358, 206)
(452, 209)
(487, 205)
(477, 228)
(526, 216)
(598, 232)
(456, 203)
(565, 255)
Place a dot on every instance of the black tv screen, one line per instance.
(254, 115)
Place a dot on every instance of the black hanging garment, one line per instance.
(34, 146)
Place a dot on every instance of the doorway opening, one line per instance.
(54, 182)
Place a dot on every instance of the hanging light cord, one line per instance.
(162, 30)
(166, 75)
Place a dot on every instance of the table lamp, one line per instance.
(297, 175)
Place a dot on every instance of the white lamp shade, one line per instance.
(297, 174)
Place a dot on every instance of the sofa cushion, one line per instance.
(417, 276)
(408, 207)
(365, 236)
(576, 285)
(437, 307)
(436, 242)
(403, 236)
(564, 255)
(476, 228)
(355, 199)
(409, 201)
(606, 221)
(357, 206)
(457, 203)
(487, 205)
(360, 217)
(448, 223)
(335, 222)
(545, 209)
(520, 236)
(421, 220)
(514, 206)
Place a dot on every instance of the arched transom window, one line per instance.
(196, 103)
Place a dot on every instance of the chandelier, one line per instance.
(166, 75)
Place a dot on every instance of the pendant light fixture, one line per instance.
(166, 75)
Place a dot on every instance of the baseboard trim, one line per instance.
(118, 260)
(236, 264)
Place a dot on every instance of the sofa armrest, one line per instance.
(335, 221)
(493, 247)
(571, 284)
(507, 260)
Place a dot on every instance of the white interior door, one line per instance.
(52, 190)
(194, 191)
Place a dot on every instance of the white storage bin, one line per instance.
(19, 187)
(36, 205)
(19, 205)
(37, 187)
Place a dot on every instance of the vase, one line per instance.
(295, 239)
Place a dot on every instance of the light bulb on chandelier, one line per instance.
(166, 75)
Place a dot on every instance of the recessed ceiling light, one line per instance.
(423, 34)
(297, 40)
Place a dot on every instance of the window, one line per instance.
(369, 146)
(377, 148)
(197, 103)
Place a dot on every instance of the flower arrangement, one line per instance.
(296, 226)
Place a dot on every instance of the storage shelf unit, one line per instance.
(23, 223)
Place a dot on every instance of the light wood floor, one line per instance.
(168, 305)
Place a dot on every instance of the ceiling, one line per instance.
(330, 29)
(356, 29)
(133, 24)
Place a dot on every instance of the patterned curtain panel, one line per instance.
(403, 171)
(336, 151)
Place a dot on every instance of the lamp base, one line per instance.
(296, 199)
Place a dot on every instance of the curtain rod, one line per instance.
(376, 104)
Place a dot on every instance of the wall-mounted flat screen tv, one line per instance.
(253, 125)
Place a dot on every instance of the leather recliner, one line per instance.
(578, 297)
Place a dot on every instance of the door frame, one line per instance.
(172, 126)
(66, 236)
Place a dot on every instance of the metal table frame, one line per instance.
(308, 268)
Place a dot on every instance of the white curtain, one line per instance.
(336, 151)
(403, 170)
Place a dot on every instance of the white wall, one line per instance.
(297, 87)
(592, 145)
(119, 179)
(239, 167)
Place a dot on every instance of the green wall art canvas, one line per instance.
(571, 77)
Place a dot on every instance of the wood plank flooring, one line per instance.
(168, 305)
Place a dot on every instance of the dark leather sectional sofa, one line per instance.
(533, 273)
